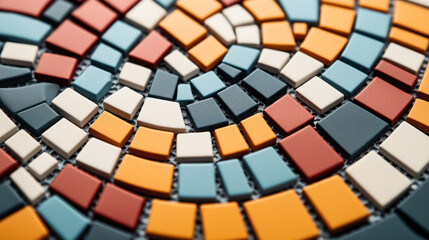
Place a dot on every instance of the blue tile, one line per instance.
(10, 75)
(237, 102)
(184, 94)
(373, 23)
(58, 11)
(106, 57)
(352, 128)
(206, 115)
(229, 73)
(164, 85)
(103, 231)
(362, 52)
(207, 84)
(20, 28)
(93, 83)
(344, 78)
(241, 57)
(121, 36)
(197, 182)
(10, 200)
(264, 86)
(66, 221)
(166, 3)
(234, 180)
(39, 118)
(301, 10)
(269, 170)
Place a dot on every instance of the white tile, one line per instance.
(75, 107)
(30, 187)
(408, 147)
(145, 15)
(64, 137)
(424, 3)
(403, 57)
(43, 165)
(124, 103)
(248, 35)
(378, 180)
(161, 114)
(19, 54)
(181, 65)
(7, 127)
(237, 15)
(300, 69)
(22, 146)
(98, 157)
(319, 95)
(134, 76)
(221, 28)
(194, 147)
(272, 60)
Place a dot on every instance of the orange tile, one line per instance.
(230, 142)
(23, 224)
(419, 115)
(145, 176)
(423, 91)
(199, 9)
(323, 45)
(412, 17)
(300, 30)
(152, 144)
(264, 10)
(336, 204)
(337, 19)
(111, 129)
(378, 5)
(409, 39)
(222, 221)
(208, 53)
(171, 220)
(342, 3)
(182, 29)
(280, 215)
(278, 35)
(257, 132)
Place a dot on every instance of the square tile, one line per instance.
(19, 54)
(151, 50)
(378, 180)
(76, 186)
(22, 146)
(207, 84)
(237, 15)
(134, 76)
(278, 35)
(121, 36)
(55, 68)
(264, 86)
(199, 10)
(57, 11)
(264, 10)
(301, 10)
(152, 144)
(32, 190)
(109, 128)
(10, 201)
(26, 216)
(248, 36)
(373, 23)
(319, 95)
(194, 147)
(8, 127)
(206, 115)
(125, 103)
(300, 30)
(234, 180)
(7, 164)
(219, 26)
(106, 57)
(43, 165)
(64, 137)
(230, 142)
(179, 64)
(98, 157)
(229, 73)
(208, 53)
(241, 57)
(145, 15)
(418, 115)
(396, 75)
(95, 15)
(403, 57)
(300, 69)
(197, 182)
(164, 85)
(184, 94)
(337, 19)
(101, 230)
(272, 60)
(257, 132)
(93, 83)
(119, 206)
(38, 118)
(382, 5)
(237, 102)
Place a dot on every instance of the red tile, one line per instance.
(227, 3)
(33, 8)
(55, 68)
(120, 206)
(151, 50)
(72, 39)
(7, 164)
(121, 6)
(384, 99)
(395, 75)
(311, 153)
(288, 115)
(95, 15)
(76, 186)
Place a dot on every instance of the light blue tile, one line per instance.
(207, 84)
(234, 180)
(362, 52)
(301, 10)
(241, 57)
(93, 83)
(344, 78)
(166, 3)
(197, 182)
(121, 36)
(62, 218)
(269, 171)
(20, 28)
(106, 57)
(184, 94)
(373, 23)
